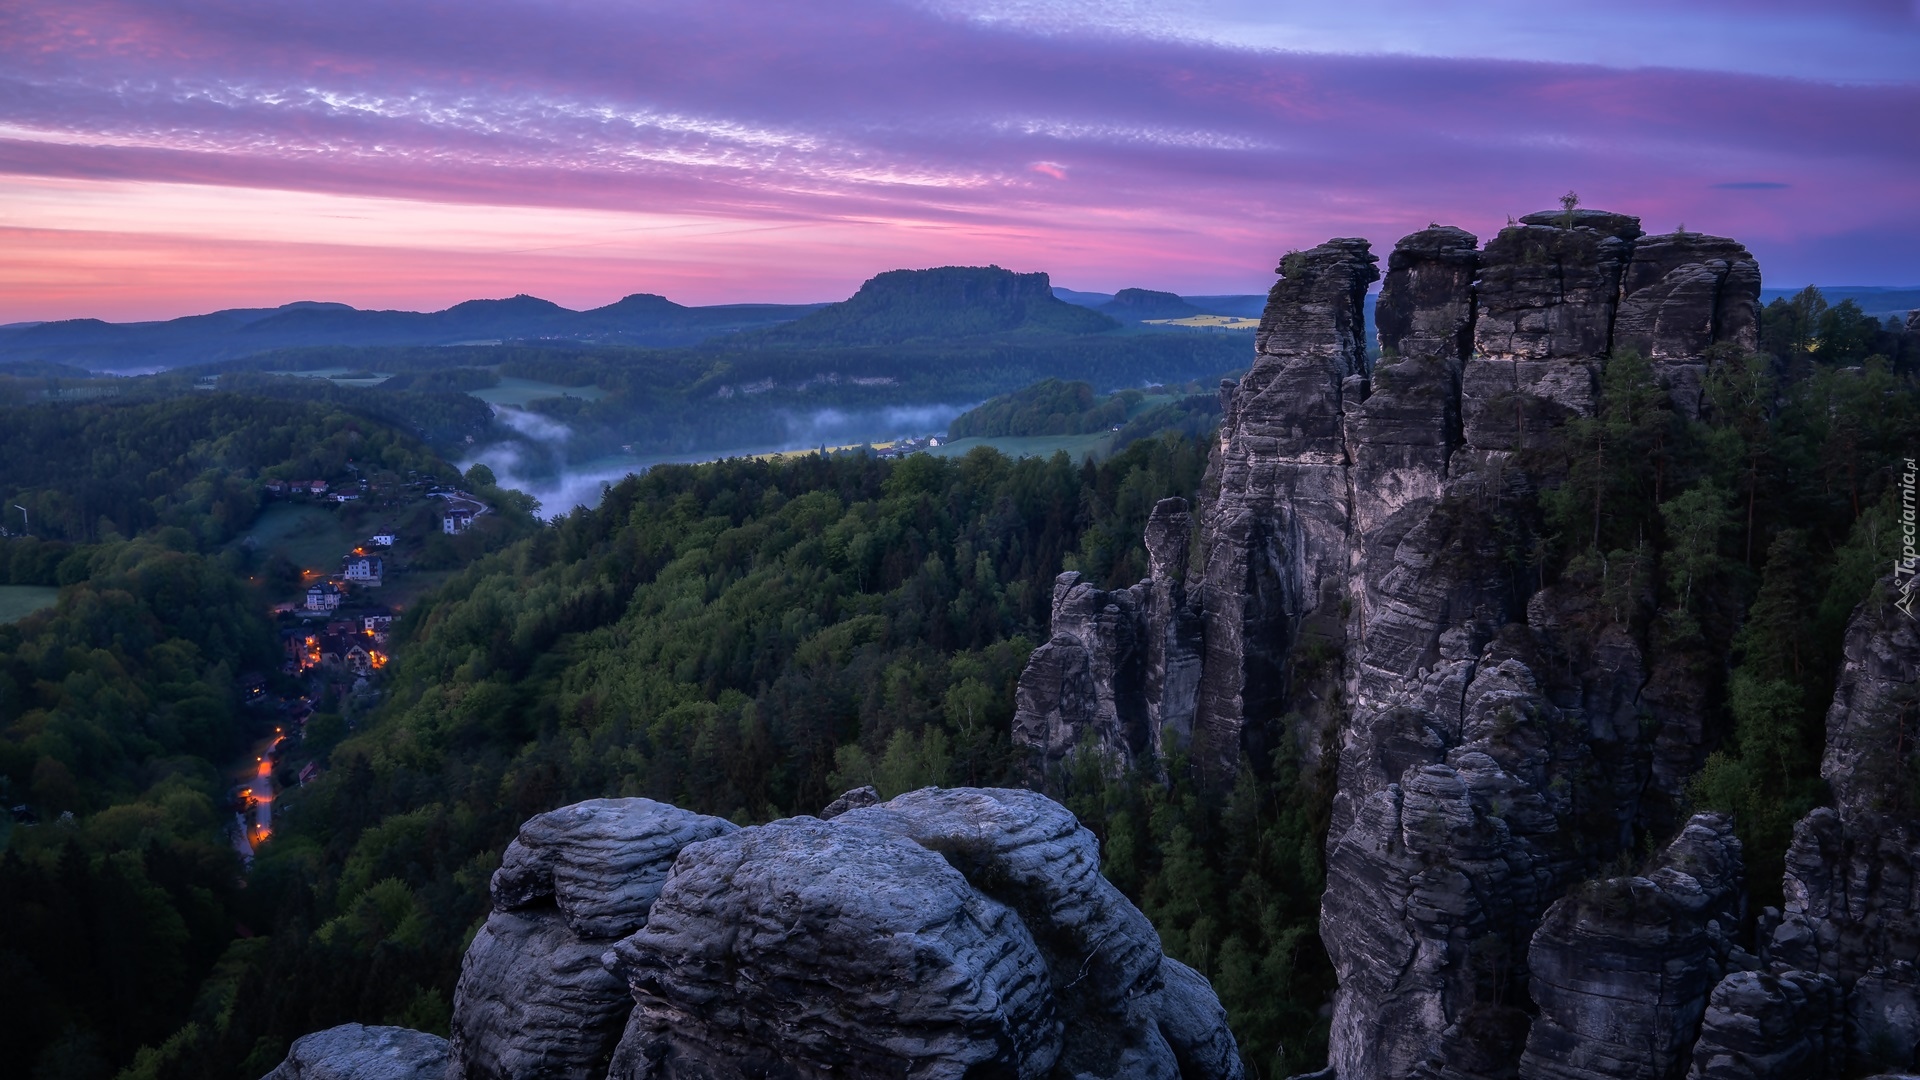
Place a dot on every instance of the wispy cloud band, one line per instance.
(1088, 141)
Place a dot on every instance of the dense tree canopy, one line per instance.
(748, 638)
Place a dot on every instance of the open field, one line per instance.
(516, 391)
(1208, 322)
(311, 536)
(19, 601)
(402, 589)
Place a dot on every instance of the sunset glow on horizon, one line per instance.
(161, 159)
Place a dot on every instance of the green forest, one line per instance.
(1056, 407)
(749, 638)
(114, 469)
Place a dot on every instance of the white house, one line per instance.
(456, 521)
(384, 538)
(324, 596)
(363, 569)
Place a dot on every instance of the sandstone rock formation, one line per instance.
(1852, 911)
(945, 933)
(1622, 967)
(353, 1052)
(1275, 543)
(1122, 668)
(951, 934)
(1497, 742)
(534, 999)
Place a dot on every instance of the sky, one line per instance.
(165, 158)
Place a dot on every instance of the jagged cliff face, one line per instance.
(1275, 538)
(1496, 746)
(1852, 891)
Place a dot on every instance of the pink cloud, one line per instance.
(906, 137)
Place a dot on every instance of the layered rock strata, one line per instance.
(1275, 541)
(1622, 967)
(354, 1052)
(1844, 951)
(958, 934)
(1497, 742)
(1120, 672)
(534, 999)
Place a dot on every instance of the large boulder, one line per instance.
(355, 1052)
(533, 998)
(601, 862)
(945, 933)
(810, 948)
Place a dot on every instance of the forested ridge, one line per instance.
(748, 638)
(95, 470)
(120, 706)
(745, 638)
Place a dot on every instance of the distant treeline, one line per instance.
(1048, 407)
(723, 398)
(1054, 407)
(91, 470)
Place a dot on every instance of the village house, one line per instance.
(378, 627)
(383, 538)
(323, 596)
(454, 521)
(363, 569)
(303, 651)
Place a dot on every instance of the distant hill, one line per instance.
(948, 303)
(642, 319)
(1239, 305)
(1244, 306)
(1139, 305)
(41, 369)
(1084, 299)
(1048, 407)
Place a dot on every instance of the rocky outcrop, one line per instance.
(1760, 1026)
(954, 933)
(958, 934)
(1121, 671)
(534, 1000)
(1497, 741)
(1852, 907)
(1087, 684)
(353, 1052)
(1621, 968)
(1276, 543)
(813, 948)
(1682, 294)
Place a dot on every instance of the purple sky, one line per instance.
(163, 158)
